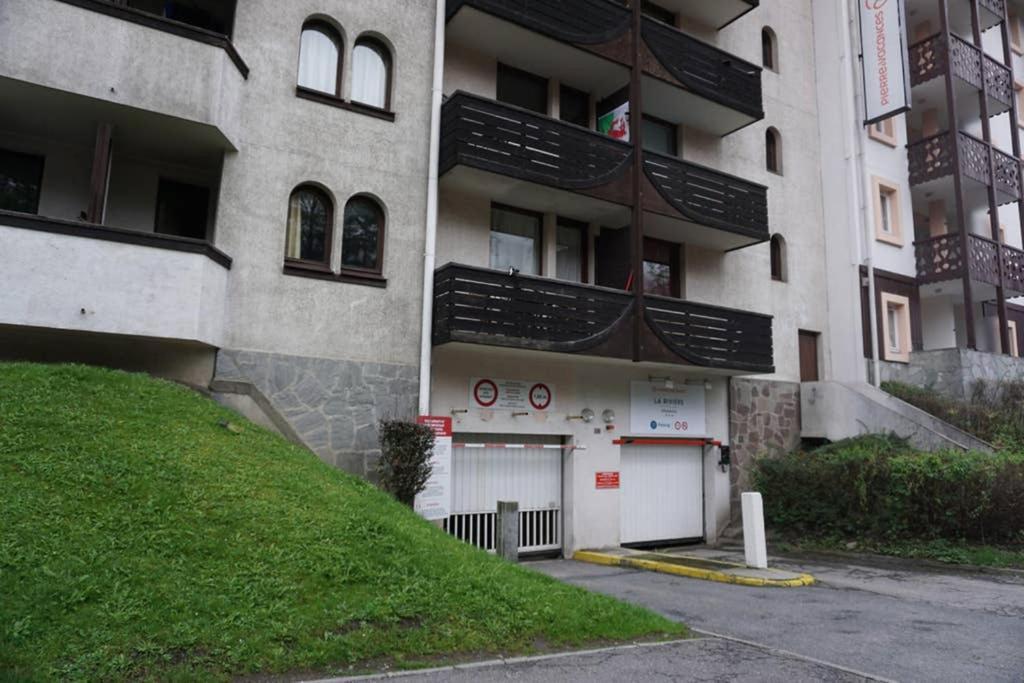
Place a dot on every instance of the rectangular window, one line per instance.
(896, 327)
(21, 180)
(515, 240)
(884, 131)
(574, 106)
(662, 276)
(182, 209)
(571, 251)
(660, 136)
(1014, 339)
(1015, 34)
(523, 89)
(888, 224)
(1018, 91)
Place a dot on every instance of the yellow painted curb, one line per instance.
(610, 560)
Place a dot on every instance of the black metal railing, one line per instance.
(713, 337)
(709, 197)
(501, 138)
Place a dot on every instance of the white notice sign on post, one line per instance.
(435, 501)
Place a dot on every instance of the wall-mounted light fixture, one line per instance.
(706, 383)
(667, 381)
(608, 416)
(587, 415)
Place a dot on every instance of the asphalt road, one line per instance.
(893, 620)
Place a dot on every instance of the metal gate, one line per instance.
(662, 493)
(512, 467)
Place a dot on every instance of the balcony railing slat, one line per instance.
(941, 259)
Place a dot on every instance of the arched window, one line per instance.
(769, 49)
(362, 242)
(778, 256)
(320, 58)
(773, 151)
(310, 224)
(371, 74)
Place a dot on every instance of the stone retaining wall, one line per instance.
(953, 372)
(333, 405)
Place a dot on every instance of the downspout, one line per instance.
(429, 251)
(861, 184)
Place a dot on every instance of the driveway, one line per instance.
(893, 620)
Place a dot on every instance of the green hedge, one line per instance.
(879, 487)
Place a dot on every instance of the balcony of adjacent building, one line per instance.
(587, 43)
(474, 305)
(924, 16)
(523, 158)
(168, 57)
(107, 219)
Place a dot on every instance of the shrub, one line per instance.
(404, 465)
(879, 487)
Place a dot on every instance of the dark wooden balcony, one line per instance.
(504, 139)
(709, 198)
(940, 259)
(706, 207)
(687, 80)
(932, 158)
(480, 306)
(940, 54)
(714, 14)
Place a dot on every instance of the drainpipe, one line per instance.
(860, 185)
(429, 255)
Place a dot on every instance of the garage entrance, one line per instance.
(662, 493)
(487, 468)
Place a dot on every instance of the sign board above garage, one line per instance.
(667, 411)
(508, 394)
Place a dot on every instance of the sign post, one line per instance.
(435, 501)
(885, 59)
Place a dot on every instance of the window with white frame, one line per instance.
(1011, 326)
(888, 222)
(884, 131)
(896, 327)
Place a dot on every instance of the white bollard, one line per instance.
(754, 544)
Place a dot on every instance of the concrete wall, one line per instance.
(78, 283)
(591, 516)
(955, 372)
(69, 48)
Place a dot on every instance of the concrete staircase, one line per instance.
(837, 410)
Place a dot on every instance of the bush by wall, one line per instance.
(879, 487)
(404, 465)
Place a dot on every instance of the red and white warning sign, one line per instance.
(508, 394)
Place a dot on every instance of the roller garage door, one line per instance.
(662, 493)
(508, 467)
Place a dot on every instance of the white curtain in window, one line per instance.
(318, 62)
(369, 76)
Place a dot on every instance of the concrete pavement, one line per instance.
(894, 620)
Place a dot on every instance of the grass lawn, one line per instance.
(140, 538)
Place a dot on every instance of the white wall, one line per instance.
(591, 516)
(79, 283)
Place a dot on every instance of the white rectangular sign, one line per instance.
(435, 501)
(884, 58)
(677, 411)
(508, 394)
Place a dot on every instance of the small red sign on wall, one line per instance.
(607, 480)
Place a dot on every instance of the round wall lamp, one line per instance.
(608, 416)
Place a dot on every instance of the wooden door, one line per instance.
(612, 250)
(809, 357)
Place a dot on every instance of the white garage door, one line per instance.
(662, 494)
(504, 470)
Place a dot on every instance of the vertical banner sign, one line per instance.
(435, 501)
(884, 57)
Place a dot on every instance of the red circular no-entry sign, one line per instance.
(485, 393)
(540, 396)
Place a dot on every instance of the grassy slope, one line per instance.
(139, 538)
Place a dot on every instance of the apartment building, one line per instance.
(628, 234)
(208, 189)
(625, 253)
(927, 201)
